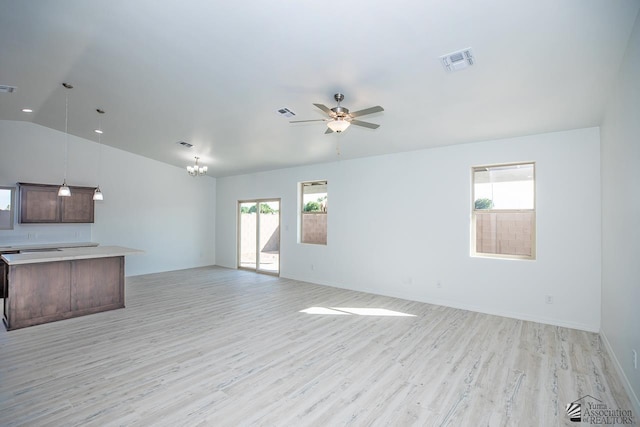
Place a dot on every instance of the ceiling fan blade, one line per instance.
(328, 130)
(303, 121)
(323, 108)
(365, 124)
(366, 111)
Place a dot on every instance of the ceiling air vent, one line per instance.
(285, 112)
(184, 144)
(456, 61)
(7, 89)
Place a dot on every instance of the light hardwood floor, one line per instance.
(214, 346)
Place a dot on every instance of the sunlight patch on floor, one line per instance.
(322, 310)
(357, 311)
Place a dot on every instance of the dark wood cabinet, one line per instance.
(4, 271)
(3, 278)
(79, 207)
(49, 291)
(39, 203)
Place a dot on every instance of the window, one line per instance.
(504, 216)
(7, 198)
(313, 212)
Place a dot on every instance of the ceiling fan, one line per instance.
(340, 118)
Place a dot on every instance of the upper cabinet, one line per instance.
(79, 207)
(39, 203)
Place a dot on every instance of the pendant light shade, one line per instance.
(64, 190)
(338, 125)
(97, 194)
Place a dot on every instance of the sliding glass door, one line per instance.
(259, 235)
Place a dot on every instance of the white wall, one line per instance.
(416, 230)
(148, 205)
(621, 217)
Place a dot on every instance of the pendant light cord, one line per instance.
(66, 134)
(99, 145)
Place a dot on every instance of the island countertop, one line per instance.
(38, 246)
(68, 254)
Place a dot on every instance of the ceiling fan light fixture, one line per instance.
(338, 125)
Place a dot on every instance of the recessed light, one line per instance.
(98, 131)
(27, 110)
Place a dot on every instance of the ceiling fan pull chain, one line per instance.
(338, 147)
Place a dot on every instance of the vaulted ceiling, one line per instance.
(214, 73)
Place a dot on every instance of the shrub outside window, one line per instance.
(503, 211)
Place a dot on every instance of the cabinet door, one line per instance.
(39, 204)
(97, 283)
(79, 207)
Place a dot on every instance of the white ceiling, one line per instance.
(213, 73)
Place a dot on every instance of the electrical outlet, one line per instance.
(635, 358)
(548, 299)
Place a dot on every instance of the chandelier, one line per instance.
(197, 170)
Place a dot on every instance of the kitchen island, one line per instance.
(38, 247)
(46, 286)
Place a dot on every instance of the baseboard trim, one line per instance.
(520, 316)
(633, 397)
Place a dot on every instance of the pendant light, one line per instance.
(64, 190)
(97, 194)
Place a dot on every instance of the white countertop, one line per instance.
(24, 247)
(68, 254)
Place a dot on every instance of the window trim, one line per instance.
(301, 211)
(12, 211)
(474, 253)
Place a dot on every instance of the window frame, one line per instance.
(301, 211)
(12, 211)
(474, 252)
